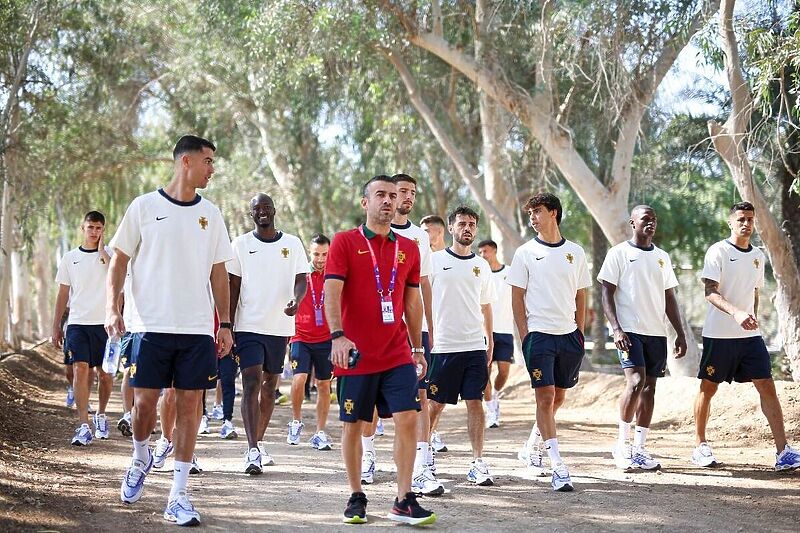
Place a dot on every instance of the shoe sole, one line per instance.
(194, 472)
(435, 492)
(786, 469)
(190, 523)
(565, 488)
(124, 427)
(78, 443)
(367, 481)
(494, 426)
(712, 464)
(411, 520)
(130, 501)
(354, 520)
(253, 470)
(230, 436)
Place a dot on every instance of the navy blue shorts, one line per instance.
(85, 344)
(503, 347)
(304, 355)
(453, 374)
(67, 358)
(553, 359)
(742, 360)
(648, 352)
(391, 391)
(426, 345)
(126, 350)
(163, 360)
(253, 349)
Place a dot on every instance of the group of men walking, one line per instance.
(406, 323)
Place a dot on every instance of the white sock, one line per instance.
(180, 477)
(551, 445)
(141, 451)
(368, 444)
(429, 455)
(534, 436)
(639, 436)
(421, 458)
(624, 432)
(495, 394)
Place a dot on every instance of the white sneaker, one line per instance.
(643, 460)
(203, 429)
(438, 444)
(217, 413)
(252, 462)
(368, 468)
(431, 462)
(424, 482)
(623, 457)
(479, 473)
(293, 433)
(266, 458)
(227, 431)
(379, 431)
(320, 441)
(703, 456)
(181, 511)
(491, 417)
(133, 481)
(163, 450)
(83, 436)
(534, 459)
(101, 427)
(561, 481)
(195, 468)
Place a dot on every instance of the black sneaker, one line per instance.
(409, 511)
(356, 510)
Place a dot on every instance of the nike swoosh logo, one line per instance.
(160, 218)
(732, 259)
(75, 262)
(539, 258)
(362, 252)
(252, 251)
(446, 268)
(632, 260)
(212, 378)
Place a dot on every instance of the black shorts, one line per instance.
(648, 352)
(304, 355)
(426, 345)
(126, 350)
(453, 374)
(742, 360)
(553, 359)
(253, 349)
(503, 347)
(391, 391)
(163, 360)
(85, 344)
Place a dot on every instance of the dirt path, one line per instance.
(47, 484)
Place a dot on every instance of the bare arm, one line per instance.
(340, 347)
(62, 298)
(300, 287)
(580, 309)
(518, 308)
(413, 315)
(235, 286)
(488, 327)
(743, 318)
(115, 281)
(674, 316)
(755, 304)
(621, 340)
(101, 249)
(222, 300)
(427, 299)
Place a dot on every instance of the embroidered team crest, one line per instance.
(710, 370)
(401, 257)
(132, 371)
(625, 356)
(476, 271)
(756, 262)
(348, 406)
(537, 374)
(661, 263)
(103, 261)
(434, 389)
(203, 221)
(285, 252)
(294, 364)
(570, 258)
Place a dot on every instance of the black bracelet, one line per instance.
(336, 334)
(227, 325)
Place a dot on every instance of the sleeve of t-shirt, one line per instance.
(223, 251)
(712, 265)
(610, 270)
(234, 266)
(488, 294)
(300, 258)
(414, 267)
(129, 235)
(518, 271)
(336, 265)
(62, 275)
(584, 279)
(670, 281)
(762, 268)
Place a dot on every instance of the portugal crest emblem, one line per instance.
(203, 221)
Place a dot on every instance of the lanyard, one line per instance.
(393, 278)
(314, 294)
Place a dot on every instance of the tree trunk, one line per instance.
(598, 322)
(21, 322)
(43, 274)
(6, 224)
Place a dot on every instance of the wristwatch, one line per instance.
(227, 325)
(336, 334)
(417, 350)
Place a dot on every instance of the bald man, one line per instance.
(638, 291)
(262, 310)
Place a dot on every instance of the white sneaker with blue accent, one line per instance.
(83, 436)
(181, 511)
(479, 473)
(320, 441)
(217, 413)
(195, 466)
(368, 468)
(703, 456)
(788, 459)
(266, 458)
(379, 431)
(425, 483)
(163, 450)
(438, 444)
(623, 457)
(561, 481)
(101, 427)
(133, 480)
(642, 460)
(252, 462)
(70, 397)
(227, 431)
(203, 429)
(293, 434)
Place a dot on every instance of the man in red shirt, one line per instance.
(311, 346)
(371, 282)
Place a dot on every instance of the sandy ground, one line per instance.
(46, 484)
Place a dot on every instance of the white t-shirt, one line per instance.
(267, 269)
(739, 273)
(420, 236)
(460, 285)
(172, 246)
(85, 274)
(551, 274)
(502, 314)
(641, 277)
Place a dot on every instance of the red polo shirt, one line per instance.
(306, 329)
(382, 346)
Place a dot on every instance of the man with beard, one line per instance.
(462, 297)
(638, 289)
(268, 281)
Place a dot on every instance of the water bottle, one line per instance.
(111, 355)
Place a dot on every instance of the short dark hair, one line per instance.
(319, 238)
(191, 143)
(404, 177)
(462, 210)
(433, 219)
(487, 242)
(95, 216)
(549, 200)
(742, 206)
(379, 177)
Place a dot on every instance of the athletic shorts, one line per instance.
(648, 352)
(391, 391)
(426, 345)
(304, 355)
(67, 358)
(553, 359)
(163, 360)
(503, 347)
(453, 374)
(126, 350)
(253, 349)
(85, 344)
(742, 360)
